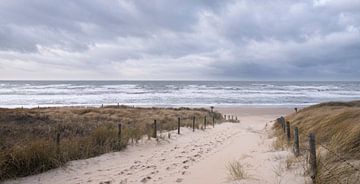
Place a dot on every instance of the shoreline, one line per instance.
(255, 106)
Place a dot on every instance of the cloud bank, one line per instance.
(182, 40)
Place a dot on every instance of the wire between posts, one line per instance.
(339, 157)
(327, 169)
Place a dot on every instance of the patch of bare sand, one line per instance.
(192, 157)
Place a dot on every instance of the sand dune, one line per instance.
(192, 157)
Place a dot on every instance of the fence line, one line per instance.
(285, 126)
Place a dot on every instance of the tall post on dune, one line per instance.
(204, 122)
(179, 125)
(213, 121)
(296, 142)
(193, 124)
(155, 129)
(119, 132)
(313, 164)
(288, 131)
(58, 143)
(212, 109)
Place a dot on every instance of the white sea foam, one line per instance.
(161, 93)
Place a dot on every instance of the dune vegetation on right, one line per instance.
(336, 126)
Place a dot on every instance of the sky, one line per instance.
(180, 40)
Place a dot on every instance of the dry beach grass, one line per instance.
(337, 129)
(28, 137)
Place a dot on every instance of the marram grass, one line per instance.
(28, 136)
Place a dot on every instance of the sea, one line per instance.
(27, 94)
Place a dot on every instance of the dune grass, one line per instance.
(236, 170)
(337, 128)
(28, 136)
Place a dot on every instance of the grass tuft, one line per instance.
(236, 170)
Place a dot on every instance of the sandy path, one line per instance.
(192, 157)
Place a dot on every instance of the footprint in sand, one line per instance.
(144, 180)
(105, 182)
(179, 180)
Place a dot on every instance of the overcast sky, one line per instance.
(180, 39)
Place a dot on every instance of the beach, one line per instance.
(191, 157)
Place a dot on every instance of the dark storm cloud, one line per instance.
(160, 39)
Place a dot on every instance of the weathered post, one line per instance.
(118, 105)
(178, 125)
(213, 121)
(296, 142)
(232, 117)
(225, 116)
(155, 129)
(102, 105)
(204, 122)
(296, 109)
(193, 125)
(212, 109)
(38, 106)
(283, 124)
(58, 143)
(313, 165)
(288, 131)
(280, 122)
(119, 132)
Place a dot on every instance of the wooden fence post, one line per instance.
(58, 143)
(282, 122)
(119, 132)
(296, 142)
(204, 122)
(155, 129)
(313, 164)
(193, 125)
(213, 121)
(288, 131)
(178, 125)
(118, 105)
(284, 125)
(296, 109)
(225, 116)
